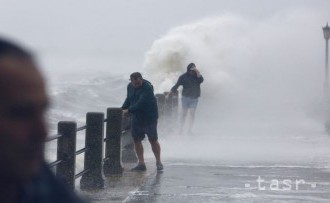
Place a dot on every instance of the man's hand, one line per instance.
(125, 111)
(196, 71)
(173, 93)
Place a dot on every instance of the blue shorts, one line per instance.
(188, 102)
(139, 131)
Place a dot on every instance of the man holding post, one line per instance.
(142, 103)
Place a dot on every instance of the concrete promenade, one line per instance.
(193, 182)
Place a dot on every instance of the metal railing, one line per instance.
(95, 165)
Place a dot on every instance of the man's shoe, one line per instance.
(139, 167)
(159, 167)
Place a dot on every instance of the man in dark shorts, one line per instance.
(142, 103)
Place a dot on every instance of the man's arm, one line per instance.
(197, 72)
(200, 79)
(199, 75)
(143, 98)
(126, 102)
(178, 83)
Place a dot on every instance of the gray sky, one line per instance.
(123, 28)
(283, 56)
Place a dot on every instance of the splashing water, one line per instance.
(262, 91)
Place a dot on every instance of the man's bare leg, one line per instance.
(156, 150)
(183, 118)
(191, 119)
(139, 151)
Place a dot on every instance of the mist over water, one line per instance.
(262, 98)
(262, 95)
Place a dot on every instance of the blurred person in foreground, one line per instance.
(191, 83)
(24, 175)
(142, 103)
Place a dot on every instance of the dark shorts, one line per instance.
(139, 131)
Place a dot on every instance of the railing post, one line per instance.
(168, 105)
(167, 116)
(112, 163)
(161, 104)
(175, 104)
(93, 179)
(128, 154)
(66, 151)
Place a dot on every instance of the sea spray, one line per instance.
(255, 67)
(261, 83)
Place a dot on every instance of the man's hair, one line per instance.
(190, 66)
(8, 48)
(135, 76)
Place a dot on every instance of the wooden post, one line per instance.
(168, 105)
(128, 153)
(161, 104)
(175, 104)
(93, 179)
(66, 151)
(112, 163)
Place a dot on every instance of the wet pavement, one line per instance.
(118, 188)
(193, 182)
